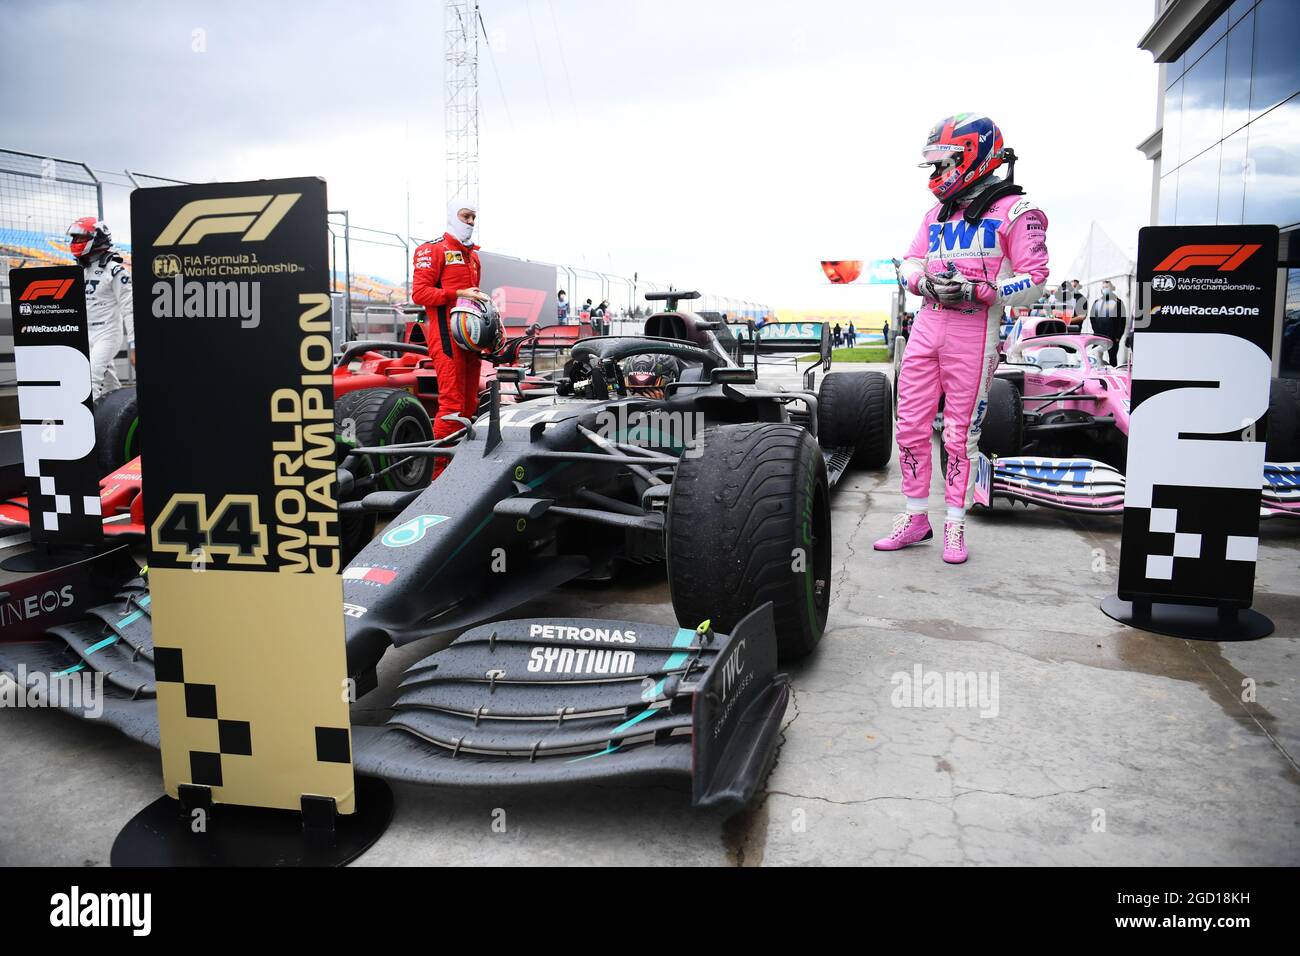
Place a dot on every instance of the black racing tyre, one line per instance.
(1002, 434)
(117, 430)
(388, 416)
(749, 522)
(355, 532)
(1283, 435)
(900, 346)
(854, 408)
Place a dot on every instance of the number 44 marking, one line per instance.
(234, 530)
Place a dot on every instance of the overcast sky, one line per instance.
(728, 145)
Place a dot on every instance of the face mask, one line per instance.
(460, 231)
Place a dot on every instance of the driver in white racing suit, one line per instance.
(108, 301)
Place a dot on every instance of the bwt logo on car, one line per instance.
(252, 216)
(1049, 471)
(580, 660)
(236, 299)
(76, 909)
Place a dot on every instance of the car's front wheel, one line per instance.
(117, 429)
(375, 417)
(1002, 432)
(749, 522)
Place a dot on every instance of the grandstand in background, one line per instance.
(41, 195)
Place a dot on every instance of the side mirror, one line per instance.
(733, 376)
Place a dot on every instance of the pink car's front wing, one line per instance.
(1092, 487)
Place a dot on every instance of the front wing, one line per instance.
(515, 704)
(1087, 486)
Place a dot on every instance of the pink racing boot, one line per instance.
(908, 529)
(954, 542)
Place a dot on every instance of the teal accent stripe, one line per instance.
(607, 750)
(547, 474)
(468, 538)
(484, 523)
(113, 639)
(682, 638)
(649, 711)
(104, 643)
(130, 618)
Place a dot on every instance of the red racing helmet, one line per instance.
(88, 236)
(963, 149)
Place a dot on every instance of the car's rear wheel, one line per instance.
(117, 430)
(377, 417)
(749, 522)
(1283, 435)
(854, 409)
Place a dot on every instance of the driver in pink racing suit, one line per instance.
(981, 249)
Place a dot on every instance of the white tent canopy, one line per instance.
(1102, 258)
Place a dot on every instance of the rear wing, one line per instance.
(785, 338)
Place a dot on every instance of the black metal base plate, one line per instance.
(41, 559)
(1190, 622)
(161, 834)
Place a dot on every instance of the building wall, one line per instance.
(1228, 149)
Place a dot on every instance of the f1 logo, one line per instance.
(1226, 256)
(46, 289)
(254, 216)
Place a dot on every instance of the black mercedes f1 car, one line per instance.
(725, 481)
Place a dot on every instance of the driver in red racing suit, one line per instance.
(444, 269)
(982, 248)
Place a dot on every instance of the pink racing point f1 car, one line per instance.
(1055, 430)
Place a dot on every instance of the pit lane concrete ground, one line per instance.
(1108, 745)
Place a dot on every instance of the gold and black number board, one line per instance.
(232, 316)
